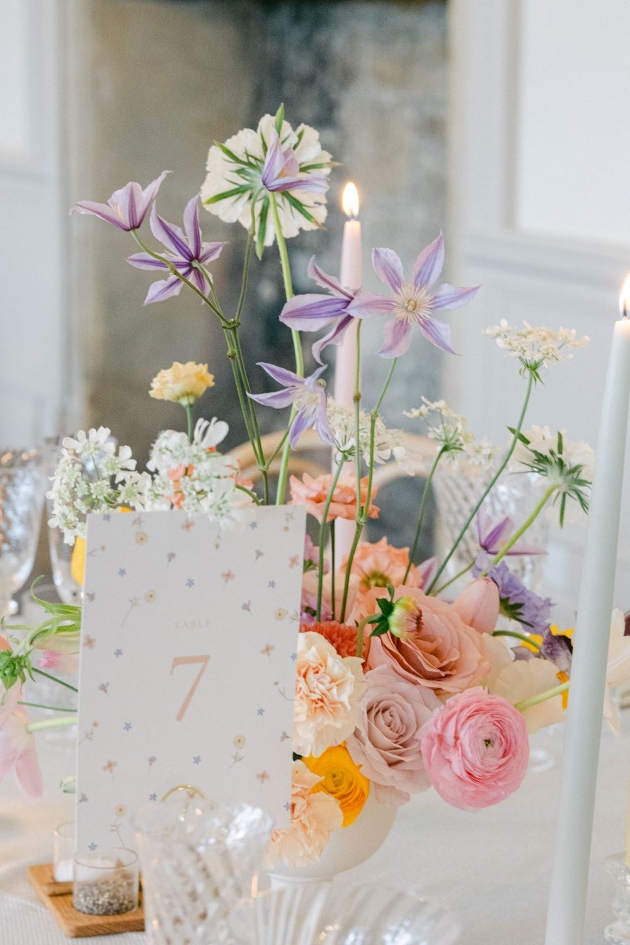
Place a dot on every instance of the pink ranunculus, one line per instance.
(478, 605)
(443, 653)
(17, 746)
(386, 742)
(475, 749)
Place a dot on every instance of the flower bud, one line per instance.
(478, 605)
(405, 617)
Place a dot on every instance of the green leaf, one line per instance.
(262, 227)
(234, 157)
(279, 118)
(299, 206)
(379, 631)
(224, 195)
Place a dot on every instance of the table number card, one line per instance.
(187, 668)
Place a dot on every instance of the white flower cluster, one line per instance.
(388, 444)
(92, 477)
(194, 477)
(449, 429)
(536, 346)
(542, 440)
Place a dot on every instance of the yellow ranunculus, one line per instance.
(182, 383)
(77, 562)
(342, 779)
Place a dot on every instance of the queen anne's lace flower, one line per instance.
(538, 347)
(388, 444)
(447, 428)
(251, 165)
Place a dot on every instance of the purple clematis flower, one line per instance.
(493, 534)
(314, 311)
(412, 303)
(126, 208)
(281, 170)
(185, 249)
(306, 394)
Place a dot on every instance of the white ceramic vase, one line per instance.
(347, 848)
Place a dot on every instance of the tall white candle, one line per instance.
(346, 362)
(569, 879)
(350, 277)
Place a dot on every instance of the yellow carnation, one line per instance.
(182, 383)
(342, 779)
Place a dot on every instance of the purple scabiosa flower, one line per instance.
(517, 602)
(184, 250)
(412, 303)
(306, 394)
(493, 534)
(126, 208)
(314, 311)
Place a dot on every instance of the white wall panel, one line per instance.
(574, 119)
(532, 81)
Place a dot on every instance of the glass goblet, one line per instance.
(21, 502)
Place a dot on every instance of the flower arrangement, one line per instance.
(399, 687)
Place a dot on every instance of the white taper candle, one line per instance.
(569, 878)
(346, 362)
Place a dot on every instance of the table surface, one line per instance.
(490, 868)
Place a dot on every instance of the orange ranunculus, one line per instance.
(379, 564)
(313, 493)
(342, 779)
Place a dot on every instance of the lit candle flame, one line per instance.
(624, 298)
(350, 200)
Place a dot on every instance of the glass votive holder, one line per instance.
(105, 882)
(63, 852)
(618, 933)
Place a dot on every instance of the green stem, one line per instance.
(52, 708)
(322, 535)
(189, 421)
(535, 700)
(363, 512)
(332, 568)
(346, 583)
(493, 481)
(249, 492)
(423, 500)
(297, 344)
(50, 723)
(360, 636)
(40, 672)
(448, 583)
(521, 531)
(517, 636)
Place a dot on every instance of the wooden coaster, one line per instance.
(57, 897)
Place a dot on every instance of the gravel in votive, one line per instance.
(108, 896)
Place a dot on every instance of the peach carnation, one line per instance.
(328, 689)
(313, 818)
(339, 635)
(443, 653)
(379, 564)
(313, 493)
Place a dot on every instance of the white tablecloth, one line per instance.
(490, 869)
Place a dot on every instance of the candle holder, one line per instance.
(106, 882)
(63, 852)
(618, 933)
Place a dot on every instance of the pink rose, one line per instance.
(478, 605)
(386, 741)
(442, 653)
(475, 749)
